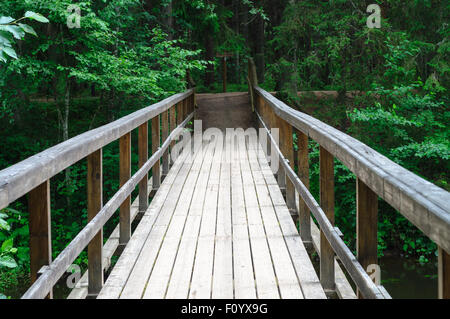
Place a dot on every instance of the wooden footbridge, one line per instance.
(231, 215)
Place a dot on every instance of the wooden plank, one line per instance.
(327, 277)
(366, 226)
(287, 278)
(143, 157)
(159, 278)
(164, 135)
(180, 280)
(222, 286)
(95, 203)
(156, 173)
(135, 284)
(244, 281)
(303, 174)
(265, 279)
(307, 277)
(124, 176)
(202, 273)
(443, 274)
(39, 207)
(141, 237)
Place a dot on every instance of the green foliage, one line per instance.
(11, 30)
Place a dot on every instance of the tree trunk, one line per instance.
(168, 19)
(259, 49)
(209, 45)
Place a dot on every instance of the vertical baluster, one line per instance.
(179, 113)
(40, 229)
(266, 112)
(165, 134)
(443, 274)
(185, 108)
(327, 203)
(287, 147)
(281, 175)
(95, 203)
(303, 174)
(366, 226)
(125, 175)
(173, 125)
(156, 169)
(143, 157)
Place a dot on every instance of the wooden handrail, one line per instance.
(355, 270)
(424, 204)
(19, 179)
(51, 274)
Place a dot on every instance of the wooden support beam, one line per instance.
(125, 174)
(173, 125)
(281, 175)
(165, 135)
(303, 174)
(366, 226)
(327, 278)
(143, 157)
(179, 112)
(185, 108)
(156, 169)
(287, 148)
(443, 274)
(40, 229)
(95, 203)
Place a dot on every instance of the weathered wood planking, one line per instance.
(40, 229)
(211, 240)
(120, 274)
(95, 203)
(19, 179)
(51, 274)
(421, 202)
(326, 181)
(332, 236)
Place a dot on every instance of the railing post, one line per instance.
(165, 135)
(443, 274)
(185, 108)
(143, 157)
(156, 169)
(95, 203)
(125, 175)
(366, 226)
(303, 174)
(40, 229)
(173, 125)
(281, 175)
(287, 143)
(327, 278)
(179, 113)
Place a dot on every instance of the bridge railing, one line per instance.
(32, 176)
(424, 204)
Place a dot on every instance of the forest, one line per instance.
(70, 66)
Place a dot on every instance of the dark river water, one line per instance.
(406, 278)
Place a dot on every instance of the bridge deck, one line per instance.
(216, 228)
